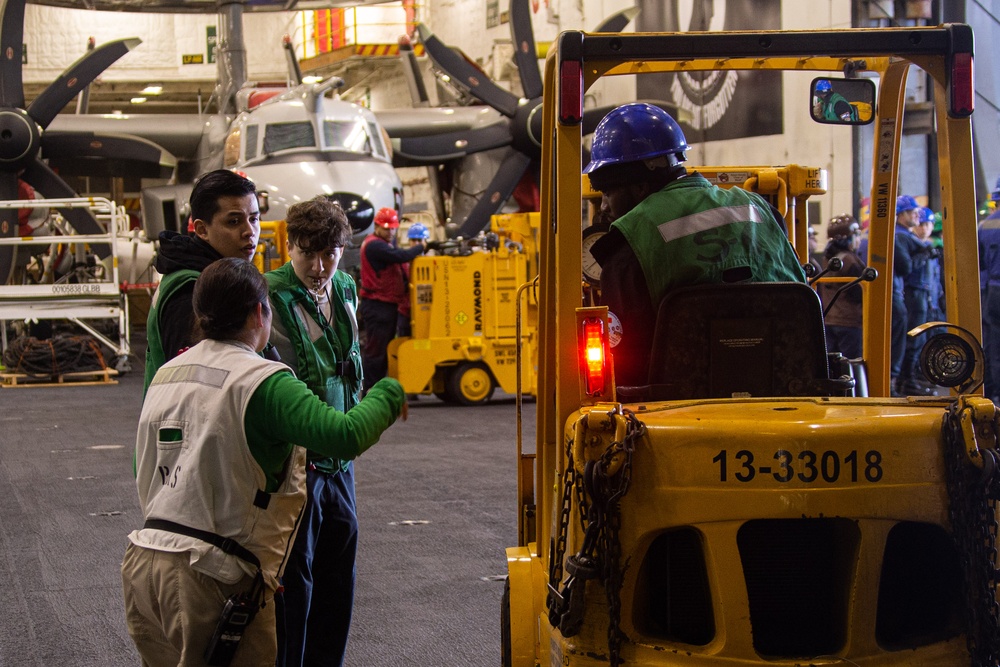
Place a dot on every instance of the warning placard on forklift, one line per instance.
(727, 177)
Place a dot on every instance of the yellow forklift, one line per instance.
(764, 502)
(467, 315)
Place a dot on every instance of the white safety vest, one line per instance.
(193, 465)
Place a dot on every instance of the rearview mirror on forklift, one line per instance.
(842, 101)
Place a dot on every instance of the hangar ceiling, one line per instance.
(110, 96)
(201, 6)
(192, 95)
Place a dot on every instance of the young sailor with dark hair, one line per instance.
(226, 219)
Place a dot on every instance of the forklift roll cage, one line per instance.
(580, 59)
(945, 53)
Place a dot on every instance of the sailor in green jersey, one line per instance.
(315, 329)
(670, 229)
(831, 105)
(220, 482)
(226, 220)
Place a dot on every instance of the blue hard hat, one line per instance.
(418, 231)
(635, 132)
(926, 215)
(995, 195)
(905, 203)
(823, 86)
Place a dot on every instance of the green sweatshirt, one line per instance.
(284, 410)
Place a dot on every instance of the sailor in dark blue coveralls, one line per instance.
(906, 248)
(989, 282)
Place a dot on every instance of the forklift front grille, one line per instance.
(798, 577)
(919, 595)
(672, 598)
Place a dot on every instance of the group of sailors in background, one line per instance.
(917, 287)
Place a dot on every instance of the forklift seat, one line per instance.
(747, 339)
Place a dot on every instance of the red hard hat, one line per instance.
(387, 218)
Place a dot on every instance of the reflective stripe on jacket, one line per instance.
(692, 232)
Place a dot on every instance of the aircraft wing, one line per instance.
(406, 123)
(178, 134)
(92, 154)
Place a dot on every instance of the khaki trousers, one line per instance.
(171, 612)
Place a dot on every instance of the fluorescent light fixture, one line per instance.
(311, 79)
(152, 89)
(138, 100)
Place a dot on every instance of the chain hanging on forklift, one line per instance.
(600, 552)
(973, 493)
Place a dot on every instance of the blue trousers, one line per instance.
(380, 319)
(846, 340)
(991, 343)
(898, 347)
(917, 301)
(314, 611)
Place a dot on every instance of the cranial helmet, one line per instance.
(905, 203)
(387, 218)
(418, 231)
(635, 132)
(842, 227)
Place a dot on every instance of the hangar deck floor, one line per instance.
(428, 593)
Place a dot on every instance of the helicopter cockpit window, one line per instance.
(282, 136)
(346, 136)
(376, 139)
(842, 101)
(251, 141)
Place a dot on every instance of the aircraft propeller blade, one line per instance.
(77, 76)
(415, 82)
(11, 43)
(525, 55)
(294, 71)
(452, 145)
(92, 154)
(8, 224)
(496, 193)
(524, 126)
(46, 181)
(617, 21)
(467, 75)
(420, 98)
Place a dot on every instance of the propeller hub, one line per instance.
(19, 137)
(526, 128)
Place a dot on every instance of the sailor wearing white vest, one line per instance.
(220, 483)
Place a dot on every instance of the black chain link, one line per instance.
(581, 502)
(616, 487)
(601, 523)
(972, 494)
(558, 550)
